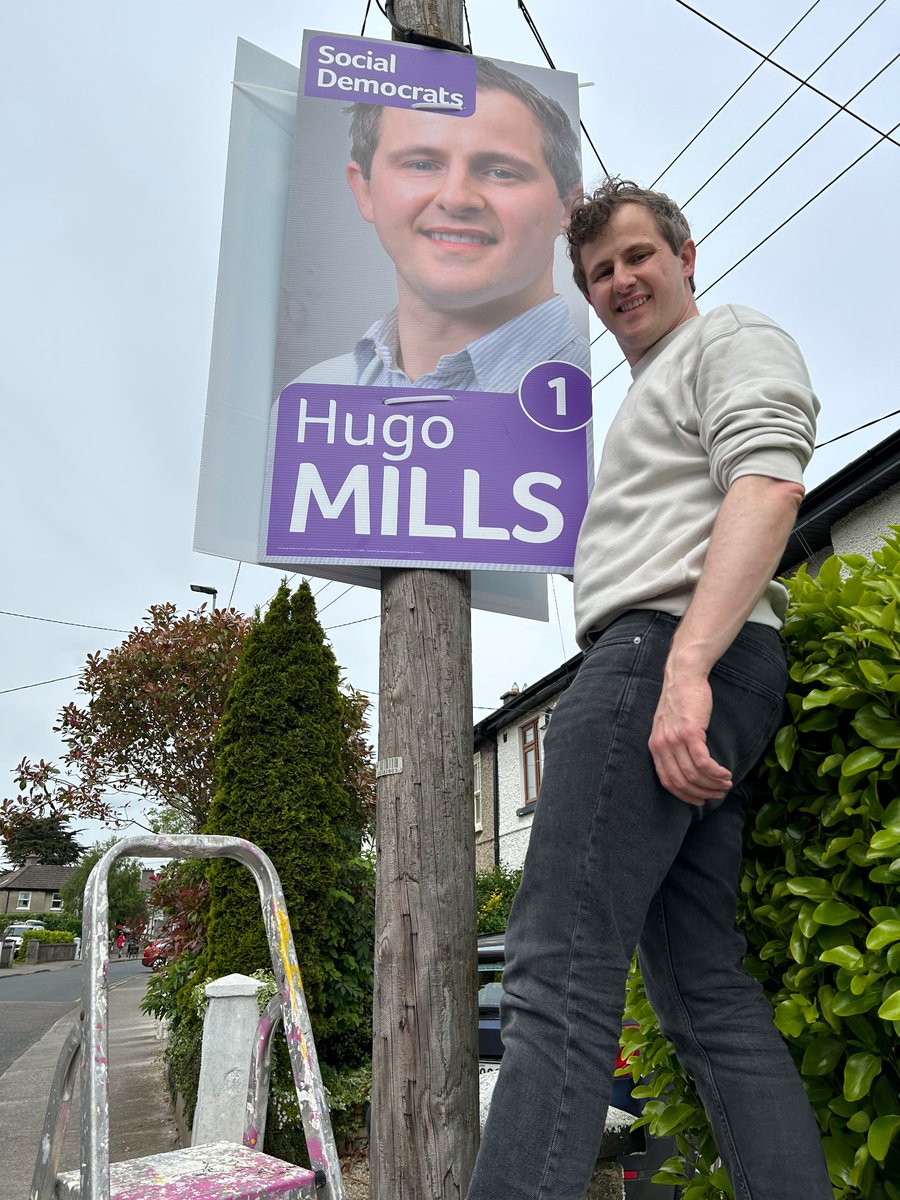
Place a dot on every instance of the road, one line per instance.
(30, 1004)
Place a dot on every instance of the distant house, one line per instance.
(509, 755)
(33, 888)
(846, 514)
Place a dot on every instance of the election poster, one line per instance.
(399, 372)
(432, 395)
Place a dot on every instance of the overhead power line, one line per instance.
(787, 71)
(43, 683)
(54, 621)
(787, 101)
(725, 103)
(793, 154)
(797, 211)
(529, 21)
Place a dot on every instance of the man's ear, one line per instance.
(568, 202)
(688, 258)
(359, 185)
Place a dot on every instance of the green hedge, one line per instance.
(43, 935)
(818, 891)
(495, 890)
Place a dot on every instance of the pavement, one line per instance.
(141, 1117)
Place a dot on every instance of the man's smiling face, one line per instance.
(636, 283)
(466, 207)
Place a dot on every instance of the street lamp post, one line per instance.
(207, 591)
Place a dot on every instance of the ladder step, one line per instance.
(208, 1172)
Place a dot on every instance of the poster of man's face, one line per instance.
(423, 247)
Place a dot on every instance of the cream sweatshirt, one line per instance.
(725, 394)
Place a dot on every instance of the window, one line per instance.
(56, 902)
(531, 761)
(476, 775)
(24, 902)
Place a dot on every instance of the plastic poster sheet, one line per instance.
(346, 477)
(433, 385)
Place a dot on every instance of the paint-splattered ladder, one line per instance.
(198, 1172)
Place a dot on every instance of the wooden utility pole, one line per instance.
(425, 1077)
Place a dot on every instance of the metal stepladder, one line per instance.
(197, 1172)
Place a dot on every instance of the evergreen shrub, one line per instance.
(293, 775)
(818, 890)
(495, 890)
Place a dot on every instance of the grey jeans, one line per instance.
(616, 862)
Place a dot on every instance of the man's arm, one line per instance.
(747, 541)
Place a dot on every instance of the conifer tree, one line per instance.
(289, 779)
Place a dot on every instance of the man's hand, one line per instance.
(678, 741)
(746, 543)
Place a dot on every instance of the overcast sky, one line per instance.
(115, 125)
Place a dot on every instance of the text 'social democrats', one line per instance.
(370, 84)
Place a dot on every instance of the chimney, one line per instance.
(510, 695)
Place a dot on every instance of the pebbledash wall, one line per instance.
(515, 812)
(847, 514)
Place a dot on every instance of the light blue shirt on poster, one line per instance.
(493, 363)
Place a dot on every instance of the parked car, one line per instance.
(14, 933)
(156, 955)
(638, 1169)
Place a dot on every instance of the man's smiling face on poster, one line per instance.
(466, 207)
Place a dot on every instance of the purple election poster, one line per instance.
(395, 477)
(426, 298)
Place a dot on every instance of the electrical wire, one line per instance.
(358, 621)
(25, 686)
(347, 589)
(725, 103)
(468, 26)
(362, 32)
(796, 212)
(787, 101)
(786, 71)
(54, 621)
(865, 425)
(529, 21)
(793, 154)
(234, 585)
(562, 640)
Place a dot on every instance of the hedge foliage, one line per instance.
(495, 890)
(42, 935)
(818, 892)
(51, 920)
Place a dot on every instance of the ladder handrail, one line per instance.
(320, 1141)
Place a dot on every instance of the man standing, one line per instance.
(636, 840)
(468, 209)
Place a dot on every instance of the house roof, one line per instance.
(530, 697)
(861, 480)
(35, 878)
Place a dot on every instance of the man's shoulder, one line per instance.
(339, 370)
(729, 318)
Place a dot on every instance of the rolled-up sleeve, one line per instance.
(756, 404)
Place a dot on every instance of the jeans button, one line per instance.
(637, 641)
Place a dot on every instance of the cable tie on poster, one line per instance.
(435, 106)
(425, 398)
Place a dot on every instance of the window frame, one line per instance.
(531, 748)
(26, 907)
(476, 793)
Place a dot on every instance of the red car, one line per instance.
(156, 955)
